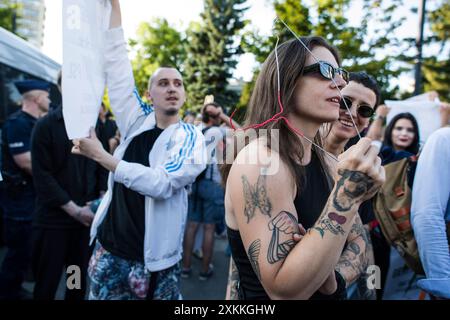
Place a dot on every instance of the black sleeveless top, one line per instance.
(309, 204)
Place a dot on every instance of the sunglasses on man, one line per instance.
(326, 70)
(363, 110)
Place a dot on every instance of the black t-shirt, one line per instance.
(106, 131)
(122, 231)
(59, 175)
(16, 137)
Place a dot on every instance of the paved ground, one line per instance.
(193, 289)
(215, 287)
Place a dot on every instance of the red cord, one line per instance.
(277, 117)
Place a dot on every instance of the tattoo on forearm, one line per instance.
(332, 223)
(349, 267)
(355, 259)
(233, 281)
(356, 230)
(256, 197)
(354, 248)
(352, 262)
(253, 254)
(286, 223)
(353, 184)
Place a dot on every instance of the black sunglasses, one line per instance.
(326, 70)
(363, 110)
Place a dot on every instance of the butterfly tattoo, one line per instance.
(256, 197)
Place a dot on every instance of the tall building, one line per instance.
(31, 22)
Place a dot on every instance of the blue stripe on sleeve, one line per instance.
(189, 147)
(186, 150)
(176, 164)
(186, 140)
(146, 108)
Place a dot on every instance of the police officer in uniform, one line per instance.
(17, 194)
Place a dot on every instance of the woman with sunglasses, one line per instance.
(287, 183)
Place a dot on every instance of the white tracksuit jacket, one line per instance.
(176, 159)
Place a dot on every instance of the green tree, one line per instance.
(436, 70)
(295, 13)
(380, 54)
(9, 15)
(212, 49)
(326, 18)
(436, 75)
(440, 23)
(197, 66)
(157, 44)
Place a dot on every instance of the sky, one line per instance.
(180, 13)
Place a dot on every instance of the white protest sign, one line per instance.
(425, 111)
(83, 79)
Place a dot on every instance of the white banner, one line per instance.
(425, 111)
(83, 79)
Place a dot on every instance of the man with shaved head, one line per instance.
(139, 224)
(18, 196)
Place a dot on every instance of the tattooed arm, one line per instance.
(265, 215)
(233, 281)
(353, 261)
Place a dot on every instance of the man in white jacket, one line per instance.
(140, 222)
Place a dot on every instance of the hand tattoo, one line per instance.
(287, 223)
(354, 185)
(256, 198)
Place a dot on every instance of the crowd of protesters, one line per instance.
(125, 204)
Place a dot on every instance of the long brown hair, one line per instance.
(263, 104)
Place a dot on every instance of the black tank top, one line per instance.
(309, 204)
(315, 190)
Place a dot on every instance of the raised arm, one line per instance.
(125, 103)
(267, 219)
(116, 15)
(376, 127)
(444, 110)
